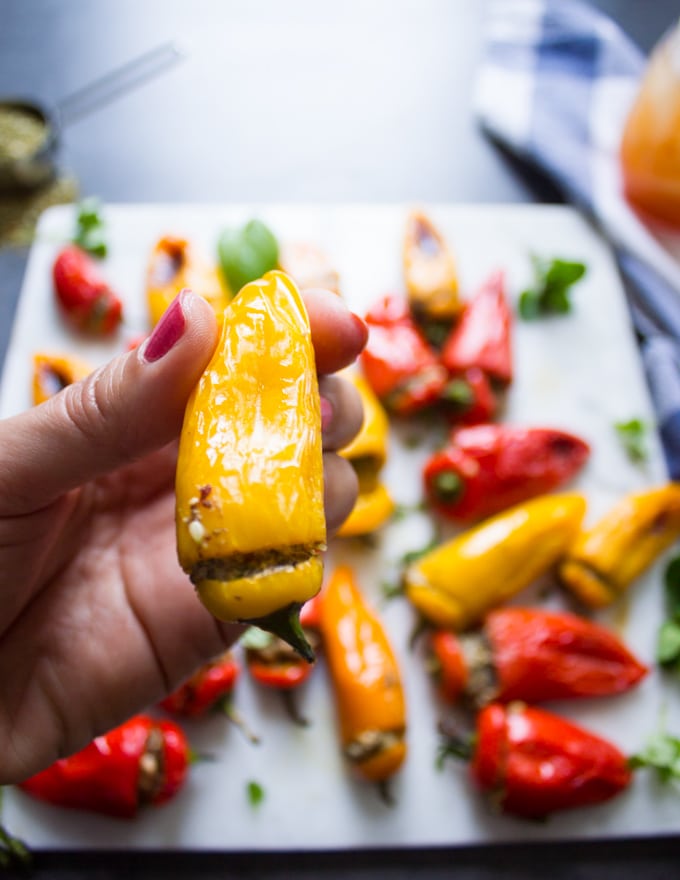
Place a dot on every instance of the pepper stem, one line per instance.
(285, 624)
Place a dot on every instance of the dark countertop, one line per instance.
(297, 102)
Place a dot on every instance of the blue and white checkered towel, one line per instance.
(555, 86)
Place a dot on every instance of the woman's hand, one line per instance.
(97, 620)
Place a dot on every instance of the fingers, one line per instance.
(338, 334)
(342, 412)
(126, 409)
(340, 490)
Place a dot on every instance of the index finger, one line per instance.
(337, 333)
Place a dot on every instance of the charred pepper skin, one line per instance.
(532, 655)
(534, 763)
(366, 680)
(605, 560)
(367, 454)
(143, 761)
(85, 297)
(461, 580)
(53, 372)
(430, 272)
(250, 515)
(205, 689)
(175, 264)
(488, 468)
(482, 337)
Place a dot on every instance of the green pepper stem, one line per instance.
(285, 624)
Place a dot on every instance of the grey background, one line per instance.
(303, 100)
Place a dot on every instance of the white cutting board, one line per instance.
(580, 372)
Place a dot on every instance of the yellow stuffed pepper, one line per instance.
(605, 560)
(430, 272)
(175, 264)
(367, 454)
(52, 372)
(250, 515)
(455, 584)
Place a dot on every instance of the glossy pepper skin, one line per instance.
(606, 559)
(534, 763)
(459, 581)
(205, 689)
(488, 468)
(398, 363)
(366, 679)
(143, 761)
(367, 454)
(532, 655)
(469, 398)
(482, 337)
(85, 297)
(249, 486)
(430, 272)
(175, 264)
(53, 372)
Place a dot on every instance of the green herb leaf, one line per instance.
(90, 232)
(668, 643)
(255, 793)
(672, 586)
(661, 753)
(551, 292)
(633, 436)
(247, 253)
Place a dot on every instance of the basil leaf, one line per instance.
(633, 436)
(255, 793)
(668, 643)
(247, 253)
(672, 586)
(551, 293)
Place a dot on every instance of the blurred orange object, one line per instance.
(650, 148)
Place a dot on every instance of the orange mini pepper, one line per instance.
(366, 679)
(52, 372)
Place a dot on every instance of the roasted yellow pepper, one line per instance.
(367, 454)
(175, 264)
(430, 271)
(250, 514)
(455, 584)
(366, 679)
(52, 372)
(606, 559)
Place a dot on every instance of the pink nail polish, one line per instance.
(326, 413)
(167, 331)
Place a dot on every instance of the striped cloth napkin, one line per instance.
(555, 86)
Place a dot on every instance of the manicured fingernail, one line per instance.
(326, 413)
(167, 331)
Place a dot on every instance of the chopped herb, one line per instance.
(668, 639)
(13, 852)
(90, 228)
(255, 793)
(633, 436)
(661, 753)
(551, 291)
(246, 253)
(392, 590)
(414, 555)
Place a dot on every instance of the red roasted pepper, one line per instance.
(469, 399)
(84, 295)
(534, 763)
(397, 361)
(487, 468)
(482, 335)
(532, 655)
(206, 689)
(143, 761)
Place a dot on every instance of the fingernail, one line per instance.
(326, 413)
(361, 327)
(167, 331)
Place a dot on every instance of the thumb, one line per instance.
(123, 411)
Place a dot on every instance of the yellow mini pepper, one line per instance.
(605, 559)
(430, 272)
(52, 372)
(175, 264)
(367, 454)
(249, 486)
(455, 584)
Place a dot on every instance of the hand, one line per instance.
(97, 620)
